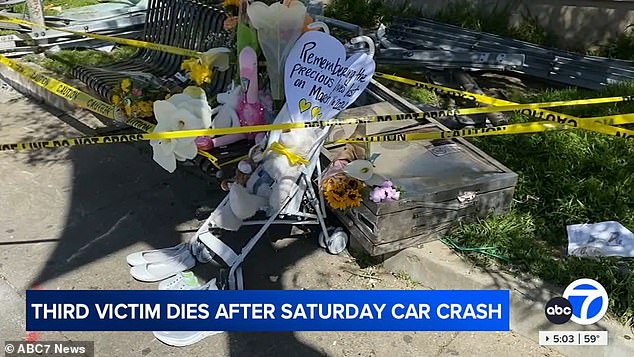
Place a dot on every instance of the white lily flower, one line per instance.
(362, 170)
(186, 111)
(216, 57)
(359, 169)
(278, 26)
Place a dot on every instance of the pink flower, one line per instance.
(136, 92)
(391, 193)
(378, 194)
(385, 192)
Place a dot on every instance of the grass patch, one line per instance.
(365, 13)
(52, 7)
(565, 177)
(7, 32)
(474, 16)
(422, 95)
(63, 61)
(621, 46)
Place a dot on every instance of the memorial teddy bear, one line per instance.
(272, 180)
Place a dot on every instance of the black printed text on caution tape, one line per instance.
(501, 130)
(62, 89)
(513, 129)
(84, 100)
(563, 119)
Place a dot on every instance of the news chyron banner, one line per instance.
(268, 310)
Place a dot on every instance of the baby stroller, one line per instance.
(304, 205)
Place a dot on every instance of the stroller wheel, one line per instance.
(336, 242)
(321, 240)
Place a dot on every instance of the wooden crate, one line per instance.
(445, 182)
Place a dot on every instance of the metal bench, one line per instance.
(190, 24)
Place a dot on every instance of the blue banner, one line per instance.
(268, 310)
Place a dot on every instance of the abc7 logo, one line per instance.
(584, 310)
(558, 310)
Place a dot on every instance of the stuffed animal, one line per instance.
(240, 107)
(276, 176)
(272, 182)
(228, 117)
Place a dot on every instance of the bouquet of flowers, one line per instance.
(385, 192)
(136, 96)
(342, 191)
(349, 180)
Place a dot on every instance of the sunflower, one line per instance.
(342, 192)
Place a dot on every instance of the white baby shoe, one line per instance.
(157, 255)
(161, 270)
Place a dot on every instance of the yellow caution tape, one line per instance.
(122, 41)
(64, 90)
(127, 138)
(562, 119)
(522, 128)
(512, 129)
(86, 101)
(304, 125)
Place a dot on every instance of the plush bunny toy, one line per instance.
(227, 117)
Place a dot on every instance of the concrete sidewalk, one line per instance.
(70, 216)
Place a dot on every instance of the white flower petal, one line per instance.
(179, 158)
(168, 162)
(375, 180)
(217, 57)
(188, 121)
(178, 99)
(360, 169)
(195, 92)
(163, 147)
(164, 127)
(186, 150)
(200, 108)
(164, 112)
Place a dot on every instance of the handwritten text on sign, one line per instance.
(319, 80)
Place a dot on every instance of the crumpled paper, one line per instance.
(605, 239)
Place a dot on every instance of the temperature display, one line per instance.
(573, 338)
